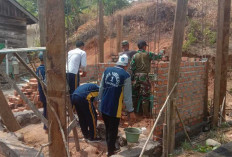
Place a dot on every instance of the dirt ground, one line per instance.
(35, 136)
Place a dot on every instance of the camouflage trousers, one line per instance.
(141, 91)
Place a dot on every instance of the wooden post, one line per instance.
(55, 76)
(119, 33)
(173, 74)
(42, 21)
(221, 56)
(42, 24)
(225, 51)
(101, 33)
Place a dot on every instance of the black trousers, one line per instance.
(111, 124)
(73, 81)
(87, 116)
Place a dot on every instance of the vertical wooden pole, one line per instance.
(42, 21)
(119, 33)
(42, 24)
(225, 51)
(5, 111)
(173, 74)
(55, 75)
(221, 56)
(101, 33)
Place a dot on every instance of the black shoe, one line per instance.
(93, 140)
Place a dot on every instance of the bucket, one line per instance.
(132, 134)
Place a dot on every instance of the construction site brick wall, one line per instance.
(94, 72)
(191, 93)
(191, 90)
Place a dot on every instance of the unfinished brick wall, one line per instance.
(191, 93)
(94, 72)
(191, 90)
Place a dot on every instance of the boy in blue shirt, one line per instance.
(115, 90)
(83, 98)
(40, 71)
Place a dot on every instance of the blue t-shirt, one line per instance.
(87, 91)
(112, 95)
(40, 71)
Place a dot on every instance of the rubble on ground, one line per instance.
(17, 104)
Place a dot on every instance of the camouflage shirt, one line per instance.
(141, 61)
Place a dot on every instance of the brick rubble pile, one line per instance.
(30, 90)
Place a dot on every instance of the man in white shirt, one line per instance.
(76, 62)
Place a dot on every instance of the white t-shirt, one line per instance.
(76, 59)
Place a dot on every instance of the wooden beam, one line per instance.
(71, 115)
(119, 33)
(42, 21)
(222, 42)
(42, 24)
(56, 77)
(225, 51)
(29, 69)
(7, 116)
(173, 74)
(101, 33)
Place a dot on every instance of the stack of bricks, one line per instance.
(92, 74)
(30, 90)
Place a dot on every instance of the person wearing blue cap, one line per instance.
(115, 90)
(84, 98)
(40, 71)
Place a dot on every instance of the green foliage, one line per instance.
(111, 6)
(186, 145)
(204, 149)
(210, 36)
(30, 5)
(195, 34)
(192, 35)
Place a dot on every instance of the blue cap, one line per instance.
(41, 56)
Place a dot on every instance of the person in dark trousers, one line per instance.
(40, 72)
(76, 62)
(115, 90)
(83, 98)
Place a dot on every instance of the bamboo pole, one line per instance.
(156, 121)
(222, 109)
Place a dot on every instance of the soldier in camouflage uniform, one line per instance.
(140, 66)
